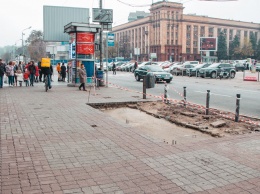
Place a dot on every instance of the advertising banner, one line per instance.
(86, 49)
(85, 37)
(208, 44)
(110, 39)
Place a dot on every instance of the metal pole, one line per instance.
(100, 41)
(237, 107)
(184, 95)
(144, 87)
(107, 61)
(207, 102)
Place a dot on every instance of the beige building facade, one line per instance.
(175, 36)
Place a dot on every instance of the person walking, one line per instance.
(19, 77)
(2, 72)
(114, 68)
(36, 73)
(32, 70)
(82, 77)
(63, 72)
(40, 71)
(135, 66)
(26, 76)
(10, 73)
(58, 69)
(15, 70)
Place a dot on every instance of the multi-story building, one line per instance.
(173, 35)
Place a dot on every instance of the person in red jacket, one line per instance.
(36, 73)
(26, 77)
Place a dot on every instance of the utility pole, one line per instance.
(101, 37)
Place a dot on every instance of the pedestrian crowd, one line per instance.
(16, 74)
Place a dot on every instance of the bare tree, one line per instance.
(36, 47)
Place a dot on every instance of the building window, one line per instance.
(177, 13)
(188, 27)
(168, 41)
(195, 51)
(188, 42)
(195, 28)
(188, 35)
(195, 43)
(172, 14)
(245, 34)
(172, 42)
(168, 15)
(187, 50)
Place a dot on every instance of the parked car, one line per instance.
(116, 63)
(120, 67)
(181, 69)
(160, 74)
(257, 67)
(175, 64)
(240, 67)
(214, 70)
(195, 70)
(191, 63)
(147, 63)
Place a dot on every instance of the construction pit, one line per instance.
(176, 123)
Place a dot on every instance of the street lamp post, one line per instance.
(22, 39)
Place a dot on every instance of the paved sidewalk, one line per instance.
(55, 143)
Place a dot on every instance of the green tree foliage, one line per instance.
(247, 50)
(36, 47)
(222, 47)
(234, 48)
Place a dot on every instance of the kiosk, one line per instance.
(81, 50)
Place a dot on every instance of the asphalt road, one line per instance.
(222, 92)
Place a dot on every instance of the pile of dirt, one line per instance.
(217, 124)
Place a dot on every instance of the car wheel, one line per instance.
(232, 75)
(213, 75)
(137, 78)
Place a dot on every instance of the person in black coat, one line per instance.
(47, 71)
(32, 71)
(63, 72)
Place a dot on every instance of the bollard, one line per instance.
(184, 95)
(144, 87)
(166, 94)
(207, 102)
(244, 72)
(237, 107)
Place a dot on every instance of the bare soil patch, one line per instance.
(217, 124)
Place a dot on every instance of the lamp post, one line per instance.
(14, 47)
(22, 39)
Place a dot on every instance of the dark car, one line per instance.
(214, 70)
(195, 70)
(257, 67)
(240, 67)
(159, 73)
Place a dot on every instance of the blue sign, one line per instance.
(110, 39)
(73, 50)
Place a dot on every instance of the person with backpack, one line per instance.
(2, 72)
(63, 72)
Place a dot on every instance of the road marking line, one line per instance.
(214, 94)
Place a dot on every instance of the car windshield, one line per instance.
(154, 68)
(258, 64)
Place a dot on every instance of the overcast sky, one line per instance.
(17, 15)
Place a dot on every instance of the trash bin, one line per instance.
(150, 80)
(100, 78)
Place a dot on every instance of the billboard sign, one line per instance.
(102, 15)
(208, 44)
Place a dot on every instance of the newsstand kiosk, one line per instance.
(81, 50)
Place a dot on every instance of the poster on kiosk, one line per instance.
(82, 50)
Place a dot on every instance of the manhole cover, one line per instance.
(93, 126)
